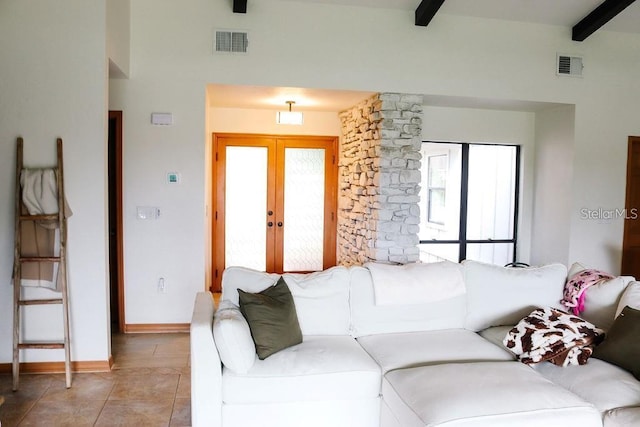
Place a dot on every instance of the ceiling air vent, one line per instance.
(569, 66)
(231, 41)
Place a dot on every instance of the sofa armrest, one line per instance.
(206, 367)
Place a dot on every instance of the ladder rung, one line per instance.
(48, 344)
(41, 301)
(50, 217)
(40, 259)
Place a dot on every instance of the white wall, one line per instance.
(322, 46)
(554, 157)
(53, 77)
(118, 37)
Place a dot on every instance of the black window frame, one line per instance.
(462, 240)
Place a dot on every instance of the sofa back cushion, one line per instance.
(321, 298)
(367, 318)
(601, 299)
(630, 297)
(499, 296)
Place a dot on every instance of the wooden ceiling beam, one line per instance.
(597, 18)
(239, 6)
(426, 11)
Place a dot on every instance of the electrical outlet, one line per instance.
(162, 286)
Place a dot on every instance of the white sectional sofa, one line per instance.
(421, 358)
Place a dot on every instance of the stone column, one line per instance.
(379, 176)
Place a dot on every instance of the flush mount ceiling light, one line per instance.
(289, 117)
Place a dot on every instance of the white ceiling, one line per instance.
(274, 98)
(552, 12)
(565, 13)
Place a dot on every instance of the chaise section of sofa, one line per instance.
(480, 394)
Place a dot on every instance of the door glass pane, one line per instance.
(491, 253)
(303, 209)
(440, 191)
(491, 196)
(245, 207)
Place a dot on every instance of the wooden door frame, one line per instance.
(630, 211)
(117, 116)
(218, 196)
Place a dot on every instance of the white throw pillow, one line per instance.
(601, 300)
(233, 338)
(499, 296)
(630, 297)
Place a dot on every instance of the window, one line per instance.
(437, 182)
(470, 202)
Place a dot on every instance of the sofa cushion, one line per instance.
(601, 299)
(234, 278)
(503, 295)
(621, 345)
(415, 283)
(411, 349)
(312, 293)
(630, 297)
(496, 394)
(367, 318)
(320, 368)
(496, 334)
(272, 318)
(604, 385)
(233, 338)
(622, 417)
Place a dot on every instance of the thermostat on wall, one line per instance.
(173, 178)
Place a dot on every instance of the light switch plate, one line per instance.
(163, 119)
(147, 212)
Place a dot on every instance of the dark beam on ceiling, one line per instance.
(426, 11)
(598, 17)
(239, 6)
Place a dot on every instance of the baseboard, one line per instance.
(155, 328)
(58, 367)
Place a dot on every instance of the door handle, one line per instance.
(270, 224)
(279, 223)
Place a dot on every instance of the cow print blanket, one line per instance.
(553, 335)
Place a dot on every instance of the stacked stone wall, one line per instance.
(379, 180)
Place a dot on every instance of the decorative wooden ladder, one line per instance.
(60, 259)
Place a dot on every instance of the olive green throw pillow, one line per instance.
(621, 346)
(272, 318)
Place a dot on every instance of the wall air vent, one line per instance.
(569, 66)
(231, 41)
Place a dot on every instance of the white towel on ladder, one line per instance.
(40, 197)
(39, 191)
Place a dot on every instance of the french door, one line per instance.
(274, 203)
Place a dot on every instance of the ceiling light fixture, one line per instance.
(289, 117)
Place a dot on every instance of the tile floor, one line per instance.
(149, 385)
